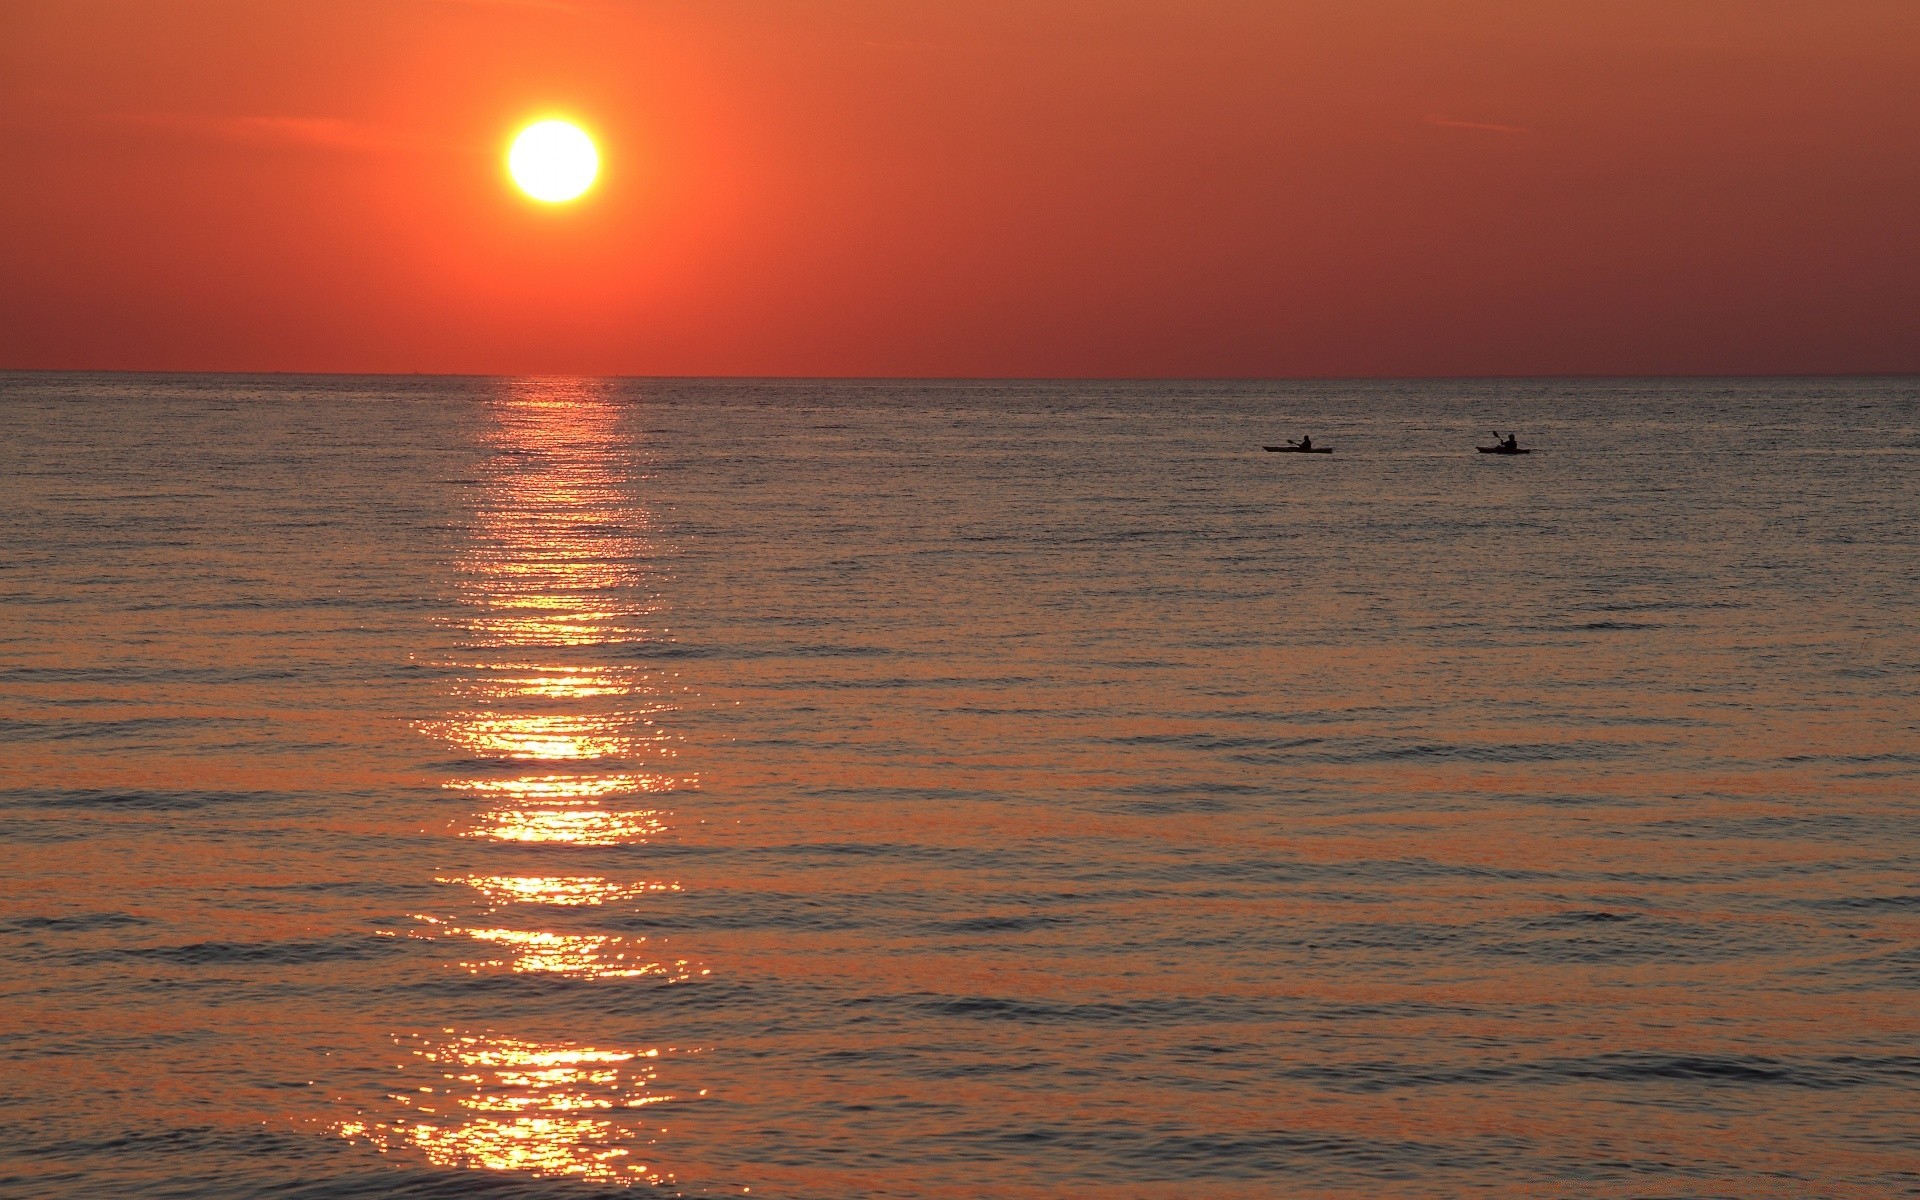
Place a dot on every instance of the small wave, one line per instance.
(903, 851)
(1139, 1152)
(1375, 750)
(668, 650)
(85, 798)
(1170, 806)
(263, 954)
(1606, 626)
(1856, 760)
(76, 923)
(1902, 903)
(240, 1162)
(131, 673)
(1214, 741)
(1156, 1012)
(64, 731)
(1020, 924)
(1624, 1067)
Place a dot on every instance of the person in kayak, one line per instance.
(1510, 444)
(1306, 442)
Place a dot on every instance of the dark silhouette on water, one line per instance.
(1507, 445)
(1303, 446)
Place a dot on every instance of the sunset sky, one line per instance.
(963, 187)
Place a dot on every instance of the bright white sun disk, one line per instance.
(553, 161)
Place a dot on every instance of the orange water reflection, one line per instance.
(580, 827)
(562, 746)
(510, 1104)
(558, 578)
(582, 955)
(544, 736)
(567, 891)
(585, 810)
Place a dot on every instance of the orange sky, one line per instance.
(960, 187)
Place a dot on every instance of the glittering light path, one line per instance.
(561, 752)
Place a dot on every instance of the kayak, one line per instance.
(1503, 450)
(1298, 449)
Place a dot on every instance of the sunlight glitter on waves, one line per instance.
(574, 630)
(561, 555)
(573, 546)
(571, 826)
(506, 1104)
(553, 788)
(575, 955)
(560, 634)
(535, 525)
(522, 561)
(563, 891)
(553, 736)
(563, 595)
(556, 683)
(557, 583)
(548, 1146)
(646, 688)
(590, 470)
(552, 687)
(581, 496)
(578, 955)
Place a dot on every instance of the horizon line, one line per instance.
(744, 378)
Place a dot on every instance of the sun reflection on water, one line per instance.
(564, 749)
(570, 787)
(581, 955)
(565, 891)
(583, 810)
(509, 1104)
(556, 735)
(554, 682)
(574, 826)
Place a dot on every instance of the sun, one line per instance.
(553, 161)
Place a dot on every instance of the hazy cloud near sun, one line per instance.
(324, 133)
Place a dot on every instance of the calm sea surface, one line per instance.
(532, 788)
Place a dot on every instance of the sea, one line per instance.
(564, 788)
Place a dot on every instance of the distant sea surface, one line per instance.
(543, 787)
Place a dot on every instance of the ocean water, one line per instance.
(545, 788)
